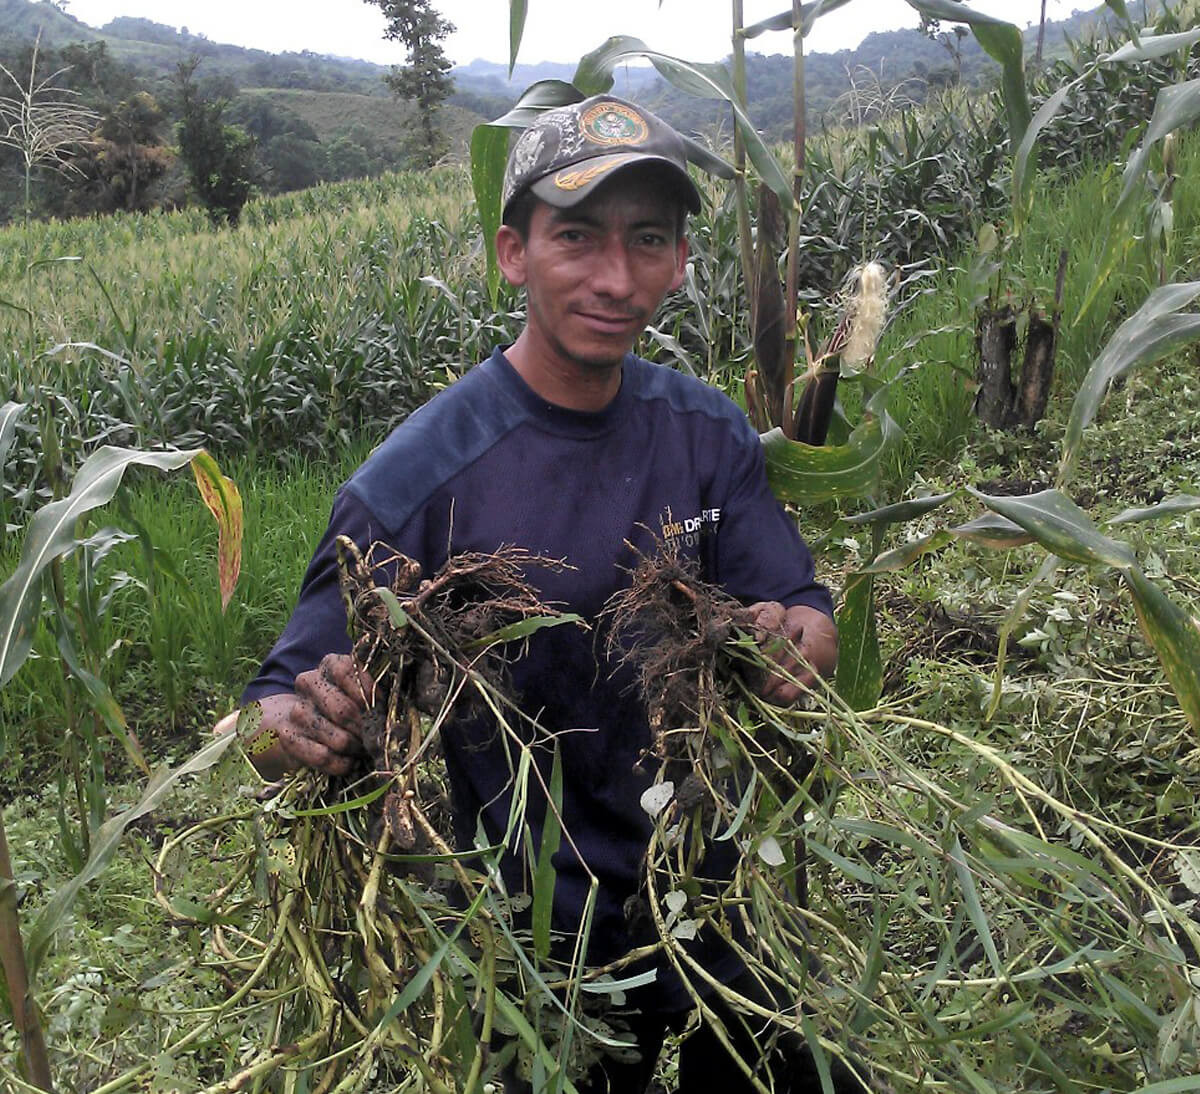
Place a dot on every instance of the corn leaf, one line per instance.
(1151, 47)
(104, 845)
(1171, 1086)
(900, 510)
(10, 414)
(806, 475)
(1175, 106)
(1060, 526)
(709, 81)
(1180, 503)
(992, 531)
(1122, 12)
(103, 702)
(809, 14)
(537, 98)
(1023, 175)
(224, 501)
(1003, 42)
(860, 663)
(544, 877)
(906, 554)
(1175, 636)
(52, 534)
(1149, 334)
(489, 154)
(517, 11)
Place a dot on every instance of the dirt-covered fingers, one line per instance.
(312, 740)
(780, 632)
(324, 729)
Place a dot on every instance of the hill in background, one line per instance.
(317, 117)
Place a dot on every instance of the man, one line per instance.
(570, 447)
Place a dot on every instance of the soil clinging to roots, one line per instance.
(429, 645)
(676, 630)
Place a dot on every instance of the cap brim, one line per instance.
(571, 184)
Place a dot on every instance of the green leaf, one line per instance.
(809, 14)
(10, 414)
(397, 616)
(742, 810)
(1153, 46)
(346, 806)
(52, 534)
(538, 98)
(1122, 13)
(709, 81)
(489, 155)
(992, 531)
(1016, 613)
(523, 628)
(808, 475)
(517, 10)
(1175, 106)
(860, 664)
(1004, 43)
(1172, 1086)
(1022, 185)
(1060, 526)
(224, 501)
(1180, 503)
(1148, 335)
(627, 983)
(104, 845)
(544, 876)
(1175, 636)
(102, 701)
(413, 989)
(966, 885)
(901, 510)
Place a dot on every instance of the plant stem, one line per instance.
(745, 241)
(791, 290)
(16, 976)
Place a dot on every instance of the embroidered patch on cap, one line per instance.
(614, 123)
(581, 176)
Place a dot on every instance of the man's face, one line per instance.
(595, 274)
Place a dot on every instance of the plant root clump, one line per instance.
(423, 641)
(676, 630)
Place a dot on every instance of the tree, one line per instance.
(219, 157)
(426, 78)
(131, 126)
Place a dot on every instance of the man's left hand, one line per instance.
(784, 632)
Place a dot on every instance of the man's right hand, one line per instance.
(320, 726)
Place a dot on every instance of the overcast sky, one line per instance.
(556, 30)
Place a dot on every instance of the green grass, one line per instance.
(333, 114)
(176, 661)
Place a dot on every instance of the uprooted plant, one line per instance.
(962, 920)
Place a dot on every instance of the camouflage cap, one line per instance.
(567, 152)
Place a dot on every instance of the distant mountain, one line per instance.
(24, 19)
(315, 116)
(903, 65)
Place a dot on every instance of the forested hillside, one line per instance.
(313, 118)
